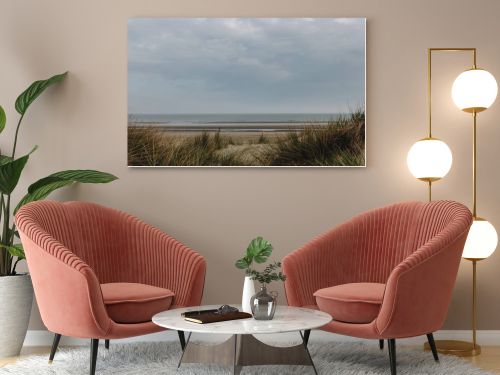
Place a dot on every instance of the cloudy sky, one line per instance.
(245, 65)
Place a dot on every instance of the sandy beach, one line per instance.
(239, 135)
(247, 127)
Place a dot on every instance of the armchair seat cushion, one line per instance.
(135, 303)
(351, 303)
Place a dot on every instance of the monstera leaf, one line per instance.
(43, 187)
(242, 263)
(258, 250)
(31, 93)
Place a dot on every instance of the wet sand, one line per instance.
(248, 127)
(237, 134)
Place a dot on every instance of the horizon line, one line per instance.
(241, 113)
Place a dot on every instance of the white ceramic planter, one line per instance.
(248, 292)
(16, 298)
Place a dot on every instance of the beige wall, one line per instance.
(82, 124)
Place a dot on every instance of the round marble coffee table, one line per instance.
(242, 348)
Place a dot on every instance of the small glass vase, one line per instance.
(263, 304)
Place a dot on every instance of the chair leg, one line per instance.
(94, 345)
(55, 344)
(182, 339)
(307, 333)
(381, 344)
(432, 344)
(106, 344)
(392, 355)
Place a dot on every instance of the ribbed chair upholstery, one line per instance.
(385, 274)
(82, 255)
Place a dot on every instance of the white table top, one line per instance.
(286, 319)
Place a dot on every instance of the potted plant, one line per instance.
(258, 250)
(16, 291)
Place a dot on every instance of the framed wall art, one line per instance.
(246, 92)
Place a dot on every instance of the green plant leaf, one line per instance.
(260, 258)
(12, 233)
(10, 172)
(3, 119)
(259, 250)
(29, 95)
(42, 193)
(86, 176)
(43, 187)
(242, 263)
(15, 250)
(4, 159)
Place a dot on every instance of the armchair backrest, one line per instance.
(379, 240)
(386, 236)
(94, 233)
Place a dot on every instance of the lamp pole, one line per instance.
(475, 347)
(454, 347)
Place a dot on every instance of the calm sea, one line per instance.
(234, 121)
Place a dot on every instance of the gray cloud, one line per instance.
(245, 65)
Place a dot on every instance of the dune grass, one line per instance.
(339, 143)
(152, 147)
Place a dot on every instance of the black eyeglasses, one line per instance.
(226, 309)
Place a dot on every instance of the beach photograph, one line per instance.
(260, 92)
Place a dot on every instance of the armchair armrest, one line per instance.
(68, 292)
(419, 289)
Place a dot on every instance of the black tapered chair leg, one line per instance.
(182, 339)
(94, 346)
(307, 333)
(392, 355)
(106, 344)
(55, 344)
(381, 344)
(432, 344)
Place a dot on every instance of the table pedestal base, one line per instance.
(246, 350)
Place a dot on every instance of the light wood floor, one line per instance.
(488, 360)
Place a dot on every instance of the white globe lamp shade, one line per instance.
(481, 241)
(429, 159)
(474, 90)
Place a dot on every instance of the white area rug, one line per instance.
(162, 358)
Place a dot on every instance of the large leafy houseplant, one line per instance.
(11, 168)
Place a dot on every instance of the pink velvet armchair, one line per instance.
(99, 273)
(385, 274)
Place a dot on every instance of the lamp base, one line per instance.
(456, 348)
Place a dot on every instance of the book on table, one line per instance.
(213, 316)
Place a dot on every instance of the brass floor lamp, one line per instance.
(430, 159)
